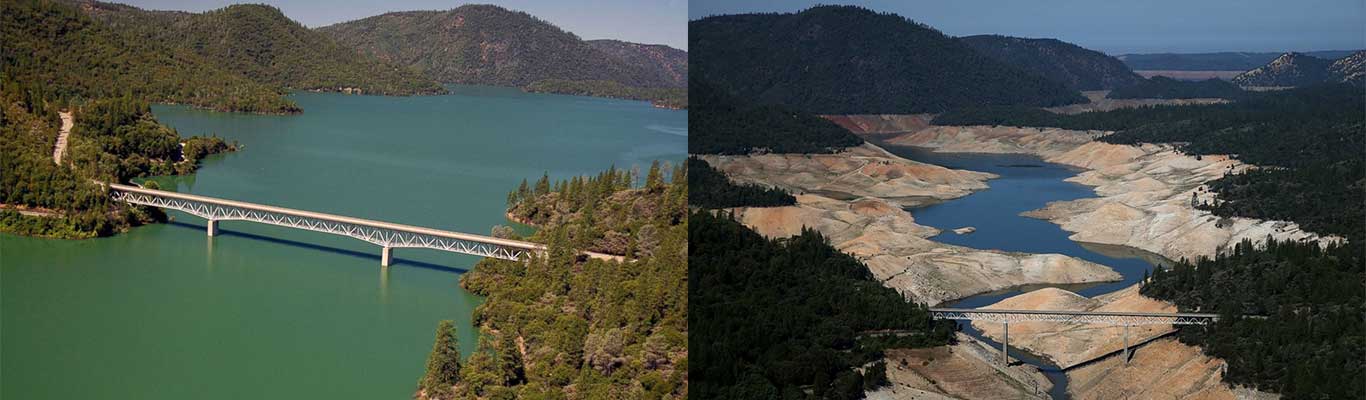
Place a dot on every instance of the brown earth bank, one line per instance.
(898, 252)
(1100, 103)
(1145, 191)
(863, 171)
(881, 124)
(1163, 368)
(1068, 344)
(967, 370)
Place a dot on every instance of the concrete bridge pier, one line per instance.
(1126, 344)
(213, 227)
(386, 256)
(1005, 344)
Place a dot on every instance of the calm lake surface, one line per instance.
(164, 312)
(1026, 183)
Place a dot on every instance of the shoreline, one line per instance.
(872, 223)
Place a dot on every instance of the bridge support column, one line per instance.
(386, 255)
(1126, 344)
(213, 227)
(1005, 344)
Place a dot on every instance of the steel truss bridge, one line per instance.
(1125, 319)
(387, 235)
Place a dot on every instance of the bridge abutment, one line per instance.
(386, 256)
(213, 228)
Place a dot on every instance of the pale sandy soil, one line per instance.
(968, 370)
(1163, 369)
(60, 149)
(1068, 344)
(1044, 142)
(897, 250)
(1100, 103)
(1145, 191)
(863, 171)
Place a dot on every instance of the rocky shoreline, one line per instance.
(1146, 192)
(857, 200)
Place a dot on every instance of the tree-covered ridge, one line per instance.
(772, 318)
(113, 141)
(564, 326)
(1077, 67)
(719, 123)
(676, 98)
(1313, 341)
(614, 218)
(711, 189)
(1225, 61)
(485, 44)
(1161, 87)
(261, 43)
(669, 63)
(76, 58)
(850, 60)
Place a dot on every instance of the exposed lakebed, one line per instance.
(1025, 183)
(163, 312)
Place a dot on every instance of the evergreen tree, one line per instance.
(443, 363)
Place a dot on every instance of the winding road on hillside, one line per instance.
(67, 121)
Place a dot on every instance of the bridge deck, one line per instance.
(331, 217)
(1078, 313)
(387, 234)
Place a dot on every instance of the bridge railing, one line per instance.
(386, 234)
(1089, 317)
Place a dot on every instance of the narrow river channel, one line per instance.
(163, 312)
(1026, 183)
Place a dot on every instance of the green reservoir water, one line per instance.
(164, 312)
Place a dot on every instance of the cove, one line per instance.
(1026, 183)
(164, 312)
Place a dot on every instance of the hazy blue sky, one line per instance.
(1127, 26)
(650, 21)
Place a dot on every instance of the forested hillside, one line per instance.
(1077, 67)
(676, 98)
(850, 60)
(1312, 343)
(719, 123)
(261, 43)
(774, 318)
(563, 326)
(75, 57)
(669, 63)
(1290, 69)
(711, 189)
(485, 44)
(114, 140)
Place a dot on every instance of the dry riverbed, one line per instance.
(967, 370)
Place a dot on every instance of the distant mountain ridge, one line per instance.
(851, 60)
(1223, 61)
(69, 55)
(485, 44)
(263, 44)
(1077, 67)
(1297, 69)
